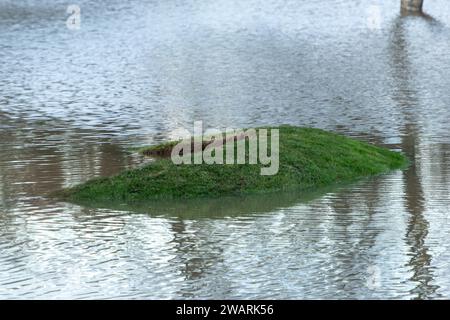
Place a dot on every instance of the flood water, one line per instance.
(72, 103)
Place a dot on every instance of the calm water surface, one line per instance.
(73, 102)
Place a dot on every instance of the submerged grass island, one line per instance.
(308, 159)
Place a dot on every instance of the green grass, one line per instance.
(309, 159)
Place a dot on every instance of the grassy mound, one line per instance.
(308, 159)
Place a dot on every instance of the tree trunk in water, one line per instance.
(412, 5)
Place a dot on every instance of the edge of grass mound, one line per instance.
(308, 159)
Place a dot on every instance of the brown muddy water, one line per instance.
(72, 102)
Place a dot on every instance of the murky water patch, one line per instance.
(73, 103)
